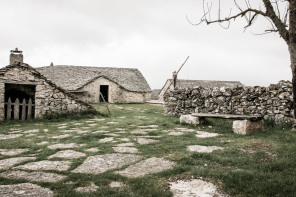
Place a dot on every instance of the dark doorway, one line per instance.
(22, 93)
(104, 90)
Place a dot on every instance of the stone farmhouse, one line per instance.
(25, 93)
(173, 83)
(116, 85)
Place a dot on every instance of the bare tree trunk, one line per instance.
(292, 50)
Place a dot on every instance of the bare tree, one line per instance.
(280, 13)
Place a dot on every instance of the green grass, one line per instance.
(269, 170)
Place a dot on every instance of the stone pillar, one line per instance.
(2, 91)
(245, 127)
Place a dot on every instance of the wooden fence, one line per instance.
(19, 110)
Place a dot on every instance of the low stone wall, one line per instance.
(273, 102)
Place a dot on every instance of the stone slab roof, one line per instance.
(181, 83)
(72, 78)
(35, 72)
(155, 93)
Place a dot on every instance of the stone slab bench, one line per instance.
(242, 124)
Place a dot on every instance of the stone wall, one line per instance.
(48, 97)
(116, 93)
(273, 102)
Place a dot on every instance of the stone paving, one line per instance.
(23, 190)
(194, 188)
(101, 163)
(46, 165)
(125, 158)
(148, 166)
(33, 176)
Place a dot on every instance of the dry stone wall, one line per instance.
(273, 102)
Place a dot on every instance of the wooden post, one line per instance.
(16, 109)
(30, 109)
(109, 112)
(24, 109)
(9, 109)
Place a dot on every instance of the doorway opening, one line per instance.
(104, 91)
(19, 101)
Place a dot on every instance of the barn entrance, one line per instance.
(19, 101)
(104, 91)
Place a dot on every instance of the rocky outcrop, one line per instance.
(273, 102)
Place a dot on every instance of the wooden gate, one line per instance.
(19, 111)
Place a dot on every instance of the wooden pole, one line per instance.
(109, 112)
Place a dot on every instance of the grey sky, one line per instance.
(153, 36)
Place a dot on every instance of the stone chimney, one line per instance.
(174, 79)
(16, 56)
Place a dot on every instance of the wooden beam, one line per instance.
(227, 116)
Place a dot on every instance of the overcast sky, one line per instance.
(152, 35)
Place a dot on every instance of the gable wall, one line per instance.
(48, 99)
(116, 93)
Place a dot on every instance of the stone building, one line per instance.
(173, 83)
(21, 84)
(116, 85)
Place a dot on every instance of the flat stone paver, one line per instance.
(64, 146)
(32, 131)
(194, 188)
(148, 126)
(46, 165)
(148, 166)
(10, 136)
(23, 190)
(81, 132)
(92, 150)
(33, 176)
(100, 131)
(107, 139)
(11, 152)
(203, 149)
(67, 154)
(86, 189)
(146, 141)
(7, 163)
(112, 134)
(175, 133)
(139, 132)
(116, 184)
(124, 139)
(125, 149)
(60, 136)
(42, 143)
(203, 134)
(101, 163)
(125, 144)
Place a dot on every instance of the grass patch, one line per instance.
(257, 165)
